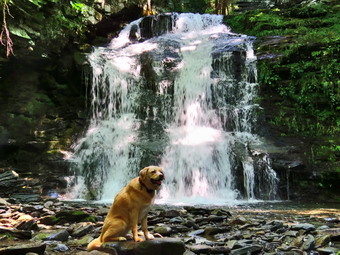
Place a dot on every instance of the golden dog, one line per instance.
(130, 207)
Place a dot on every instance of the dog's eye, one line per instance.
(153, 172)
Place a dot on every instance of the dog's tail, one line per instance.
(94, 244)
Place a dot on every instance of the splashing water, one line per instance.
(184, 100)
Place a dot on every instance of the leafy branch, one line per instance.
(5, 38)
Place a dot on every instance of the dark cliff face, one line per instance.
(43, 108)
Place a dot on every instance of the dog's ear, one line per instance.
(143, 172)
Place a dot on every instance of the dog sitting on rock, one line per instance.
(130, 207)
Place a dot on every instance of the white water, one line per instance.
(199, 157)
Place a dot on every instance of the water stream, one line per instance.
(175, 90)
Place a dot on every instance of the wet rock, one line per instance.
(38, 248)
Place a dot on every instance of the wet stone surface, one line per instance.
(57, 227)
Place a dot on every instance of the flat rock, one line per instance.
(246, 250)
(334, 233)
(305, 226)
(38, 248)
(166, 246)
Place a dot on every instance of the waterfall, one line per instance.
(176, 90)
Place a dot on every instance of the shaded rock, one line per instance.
(221, 212)
(334, 233)
(328, 250)
(28, 225)
(210, 231)
(308, 243)
(170, 213)
(246, 250)
(322, 241)
(48, 220)
(21, 234)
(199, 248)
(240, 220)
(196, 210)
(38, 248)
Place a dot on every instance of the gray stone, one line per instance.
(305, 226)
(291, 233)
(61, 247)
(163, 230)
(62, 235)
(82, 229)
(199, 248)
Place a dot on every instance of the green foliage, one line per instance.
(307, 71)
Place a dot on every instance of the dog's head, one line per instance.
(152, 177)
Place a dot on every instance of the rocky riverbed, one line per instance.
(51, 226)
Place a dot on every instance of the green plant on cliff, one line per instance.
(305, 71)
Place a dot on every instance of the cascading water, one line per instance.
(176, 90)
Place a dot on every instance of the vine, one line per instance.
(5, 38)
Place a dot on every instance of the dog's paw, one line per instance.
(158, 235)
(138, 239)
(149, 237)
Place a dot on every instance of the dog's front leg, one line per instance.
(134, 224)
(147, 235)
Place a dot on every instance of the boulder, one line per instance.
(166, 246)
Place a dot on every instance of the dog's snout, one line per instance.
(161, 175)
